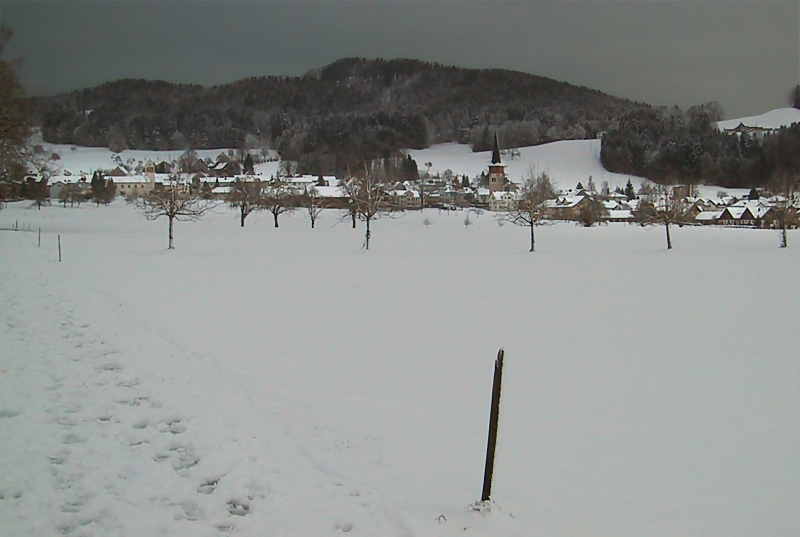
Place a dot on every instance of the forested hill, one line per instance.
(351, 108)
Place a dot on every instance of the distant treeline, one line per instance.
(348, 111)
(670, 146)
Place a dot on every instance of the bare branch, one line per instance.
(531, 209)
(246, 197)
(665, 209)
(173, 201)
(278, 200)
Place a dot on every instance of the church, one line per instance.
(497, 170)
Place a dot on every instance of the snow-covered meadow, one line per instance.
(284, 382)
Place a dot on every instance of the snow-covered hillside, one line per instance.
(774, 119)
(85, 160)
(283, 382)
(566, 162)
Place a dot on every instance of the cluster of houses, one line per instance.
(492, 191)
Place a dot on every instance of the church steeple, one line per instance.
(497, 172)
(496, 151)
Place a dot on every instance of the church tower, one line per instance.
(497, 170)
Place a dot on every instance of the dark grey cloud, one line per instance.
(746, 55)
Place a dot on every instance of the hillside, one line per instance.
(350, 109)
(693, 147)
(774, 119)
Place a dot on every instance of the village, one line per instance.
(492, 190)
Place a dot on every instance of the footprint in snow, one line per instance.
(73, 438)
(208, 486)
(172, 425)
(11, 492)
(239, 507)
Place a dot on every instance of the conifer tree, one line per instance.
(629, 191)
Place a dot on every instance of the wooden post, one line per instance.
(493, 419)
(40, 237)
(59, 248)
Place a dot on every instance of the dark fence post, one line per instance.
(59, 248)
(493, 418)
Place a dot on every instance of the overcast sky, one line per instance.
(746, 54)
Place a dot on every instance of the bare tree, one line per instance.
(15, 116)
(665, 209)
(784, 213)
(246, 197)
(312, 202)
(278, 200)
(173, 201)
(592, 211)
(71, 194)
(17, 154)
(531, 209)
(351, 211)
(367, 200)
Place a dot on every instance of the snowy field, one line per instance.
(284, 382)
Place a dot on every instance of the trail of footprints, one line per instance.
(125, 419)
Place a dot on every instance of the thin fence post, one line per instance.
(493, 420)
(59, 248)
(40, 237)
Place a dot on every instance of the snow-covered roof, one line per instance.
(330, 192)
(301, 180)
(705, 216)
(736, 212)
(565, 201)
(66, 179)
(132, 179)
(619, 214)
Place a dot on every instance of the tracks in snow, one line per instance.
(101, 446)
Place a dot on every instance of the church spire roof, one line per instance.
(496, 151)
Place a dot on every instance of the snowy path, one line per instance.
(111, 451)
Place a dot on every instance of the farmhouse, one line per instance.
(503, 201)
(566, 207)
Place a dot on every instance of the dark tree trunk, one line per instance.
(275, 216)
(669, 239)
(171, 247)
(533, 240)
(367, 235)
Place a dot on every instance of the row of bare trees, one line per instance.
(365, 201)
(248, 197)
(665, 207)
